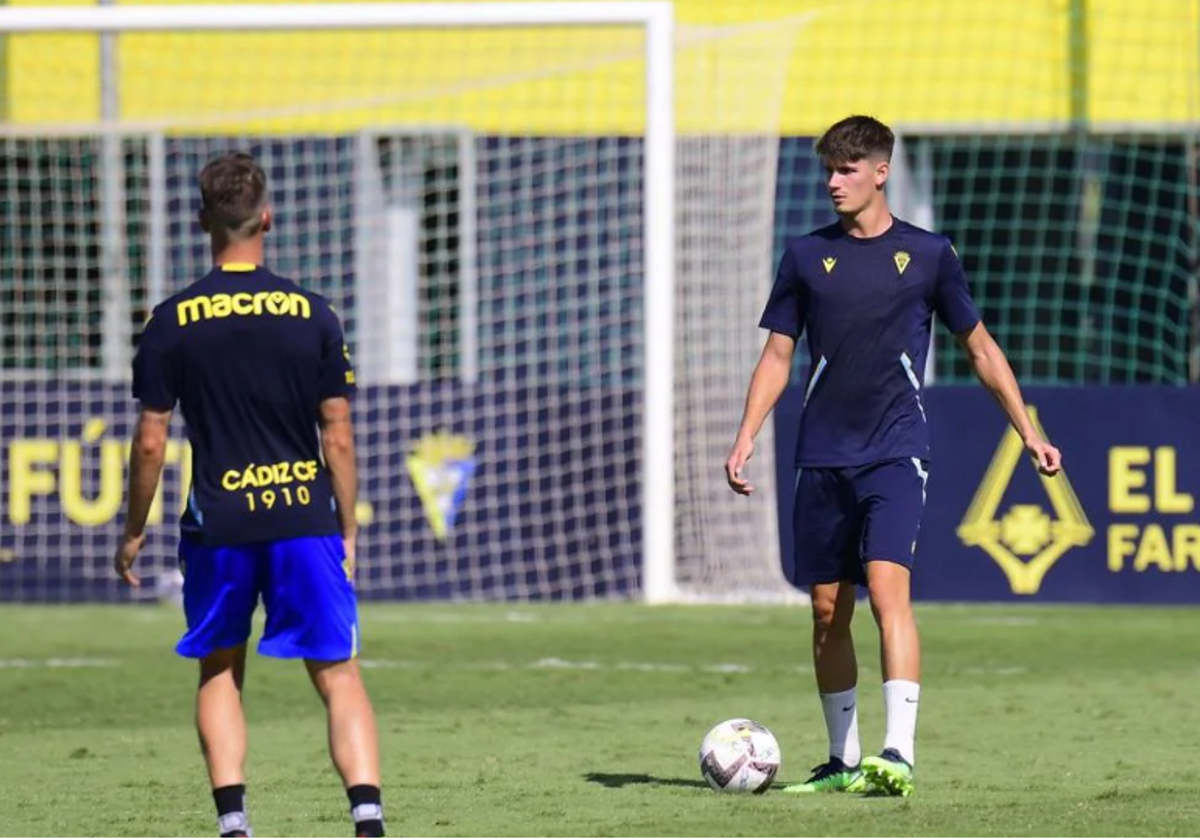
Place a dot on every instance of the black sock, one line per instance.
(367, 810)
(231, 811)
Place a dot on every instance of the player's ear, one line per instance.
(882, 169)
(268, 216)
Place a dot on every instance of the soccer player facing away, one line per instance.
(260, 370)
(863, 291)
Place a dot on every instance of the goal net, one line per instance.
(549, 278)
(1056, 143)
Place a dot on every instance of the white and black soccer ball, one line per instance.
(739, 756)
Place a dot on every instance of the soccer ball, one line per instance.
(739, 756)
(168, 587)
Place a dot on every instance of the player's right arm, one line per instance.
(766, 386)
(337, 385)
(784, 317)
(337, 444)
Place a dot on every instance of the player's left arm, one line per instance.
(147, 453)
(155, 388)
(992, 367)
(957, 310)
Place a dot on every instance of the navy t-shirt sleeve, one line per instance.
(337, 370)
(952, 298)
(155, 384)
(784, 312)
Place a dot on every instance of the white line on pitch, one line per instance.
(555, 663)
(57, 663)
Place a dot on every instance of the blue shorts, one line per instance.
(846, 516)
(311, 609)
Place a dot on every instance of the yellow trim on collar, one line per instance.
(238, 266)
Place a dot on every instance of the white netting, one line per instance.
(472, 203)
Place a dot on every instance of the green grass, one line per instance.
(585, 720)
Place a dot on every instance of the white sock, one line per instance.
(841, 719)
(900, 701)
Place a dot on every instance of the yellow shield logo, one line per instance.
(440, 466)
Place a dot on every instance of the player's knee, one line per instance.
(890, 600)
(329, 677)
(831, 615)
(225, 663)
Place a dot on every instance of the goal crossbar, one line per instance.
(653, 14)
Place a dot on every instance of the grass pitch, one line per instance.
(585, 721)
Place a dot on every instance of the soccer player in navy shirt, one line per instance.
(862, 291)
(260, 370)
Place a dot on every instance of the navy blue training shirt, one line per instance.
(249, 356)
(866, 306)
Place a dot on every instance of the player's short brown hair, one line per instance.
(855, 138)
(233, 193)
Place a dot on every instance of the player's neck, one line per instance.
(248, 251)
(873, 220)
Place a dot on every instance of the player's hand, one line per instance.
(1045, 455)
(735, 465)
(348, 543)
(126, 555)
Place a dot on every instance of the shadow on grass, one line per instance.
(620, 780)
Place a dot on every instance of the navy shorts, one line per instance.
(311, 609)
(846, 516)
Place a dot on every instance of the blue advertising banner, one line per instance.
(456, 486)
(1119, 525)
(512, 491)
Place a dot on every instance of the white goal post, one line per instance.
(662, 157)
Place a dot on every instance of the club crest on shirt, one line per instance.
(902, 259)
(829, 263)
